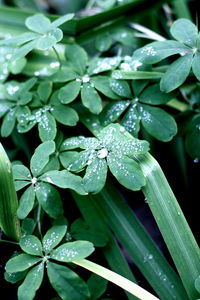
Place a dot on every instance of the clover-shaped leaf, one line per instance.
(49, 111)
(7, 66)
(14, 106)
(186, 34)
(139, 107)
(44, 35)
(38, 254)
(112, 148)
(83, 78)
(41, 180)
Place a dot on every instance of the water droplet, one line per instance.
(102, 153)
(196, 160)
(85, 78)
(34, 180)
(198, 126)
(178, 213)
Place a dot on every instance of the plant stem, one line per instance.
(171, 222)
(117, 279)
(8, 199)
(175, 103)
(58, 57)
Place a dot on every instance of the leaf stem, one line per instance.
(117, 279)
(58, 57)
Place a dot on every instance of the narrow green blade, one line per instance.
(8, 199)
(172, 223)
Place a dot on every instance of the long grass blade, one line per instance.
(8, 199)
(93, 216)
(172, 223)
(117, 279)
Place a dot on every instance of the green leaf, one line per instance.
(81, 160)
(91, 98)
(47, 127)
(152, 95)
(103, 42)
(63, 75)
(80, 142)
(41, 157)
(113, 111)
(197, 284)
(158, 123)
(64, 179)
(185, 32)
(65, 115)
(14, 277)
(28, 226)
(49, 199)
(99, 65)
(131, 120)
(21, 172)
(69, 92)
(16, 67)
(95, 176)
(53, 237)
(23, 50)
(80, 230)
(97, 286)
(67, 283)
(116, 139)
(196, 65)
(31, 284)
(8, 123)
(127, 171)
(27, 86)
(121, 88)
(72, 251)
(102, 84)
(20, 184)
(176, 73)
(38, 23)
(157, 51)
(4, 107)
(77, 57)
(21, 262)
(44, 90)
(192, 141)
(26, 202)
(68, 157)
(20, 39)
(31, 245)
(46, 42)
(61, 20)
(124, 36)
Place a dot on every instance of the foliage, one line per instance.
(82, 129)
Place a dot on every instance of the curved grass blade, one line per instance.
(117, 279)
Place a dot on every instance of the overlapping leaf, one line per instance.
(187, 45)
(40, 181)
(63, 280)
(82, 78)
(42, 35)
(140, 107)
(112, 148)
